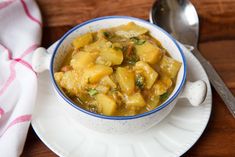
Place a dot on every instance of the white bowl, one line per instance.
(195, 92)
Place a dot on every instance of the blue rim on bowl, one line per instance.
(163, 105)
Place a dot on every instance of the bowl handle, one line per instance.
(195, 92)
(41, 60)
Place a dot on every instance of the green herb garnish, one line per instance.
(164, 96)
(107, 35)
(132, 60)
(92, 92)
(139, 81)
(137, 41)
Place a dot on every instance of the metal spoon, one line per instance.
(180, 19)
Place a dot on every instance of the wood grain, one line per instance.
(217, 44)
(72, 12)
(213, 14)
(216, 18)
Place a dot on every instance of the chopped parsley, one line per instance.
(92, 92)
(108, 35)
(137, 41)
(139, 81)
(132, 60)
(164, 96)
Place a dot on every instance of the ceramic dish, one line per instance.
(194, 92)
(172, 137)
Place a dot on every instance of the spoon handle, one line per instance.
(217, 82)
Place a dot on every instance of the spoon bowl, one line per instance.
(177, 17)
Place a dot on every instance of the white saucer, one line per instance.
(172, 137)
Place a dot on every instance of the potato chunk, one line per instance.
(58, 76)
(126, 80)
(115, 56)
(148, 52)
(102, 89)
(135, 100)
(159, 88)
(70, 82)
(82, 60)
(96, 72)
(98, 45)
(170, 66)
(82, 40)
(162, 85)
(130, 30)
(108, 82)
(101, 60)
(148, 72)
(153, 101)
(106, 105)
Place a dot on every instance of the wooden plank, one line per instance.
(214, 14)
(221, 54)
(72, 12)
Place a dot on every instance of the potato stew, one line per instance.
(120, 71)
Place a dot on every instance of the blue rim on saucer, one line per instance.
(163, 105)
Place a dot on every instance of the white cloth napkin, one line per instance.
(20, 35)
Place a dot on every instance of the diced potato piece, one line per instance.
(149, 53)
(106, 105)
(96, 72)
(82, 40)
(58, 76)
(159, 88)
(112, 55)
(130, 30)
(162, 85)
(126, 80)
(135, 100)
(102, 89)
(149, 73)
(70, 82)
(170, 66)
(117, 45)
(166, 80)
(153, 102)
(82, 60)
(100, 60)
(98, 45)
(108, 81)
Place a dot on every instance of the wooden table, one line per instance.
(217, 44)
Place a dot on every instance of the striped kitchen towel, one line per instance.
(20, 35)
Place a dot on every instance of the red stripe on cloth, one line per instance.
(7, 51)
(26, 64)
(10, 79)
(12, 70)
(28, 13)
(29, 50)
(1, 112)
(5, 4)
(20, 119)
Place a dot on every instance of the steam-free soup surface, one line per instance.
(120, 71)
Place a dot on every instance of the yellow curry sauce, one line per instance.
(120, 71)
